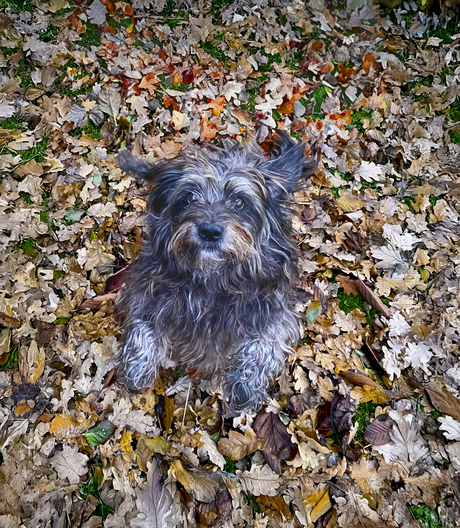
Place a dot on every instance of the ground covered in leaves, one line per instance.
(364, 427)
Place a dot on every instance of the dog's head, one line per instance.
(210, 208)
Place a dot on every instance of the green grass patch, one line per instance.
(91, 37)
(317, 98)
(361, 416)
(425, 81)
(121, 23)
(445, 33)
(251, 501)
(427, 517)
(17, 6)
(230, 465)
(254, 92)
(214, 51)
(23, 70)
(37, 152)
(358, 117)
(26, 197)
(13, 123)
(49, 34)
(453, 112)
(455, 136)
(10, 51)
(90, 130)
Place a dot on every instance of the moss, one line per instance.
(348, 303)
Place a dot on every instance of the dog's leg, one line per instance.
(256, 364)
(140, 356)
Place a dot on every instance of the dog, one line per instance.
(213, 286)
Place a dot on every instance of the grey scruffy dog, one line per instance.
(213, 286)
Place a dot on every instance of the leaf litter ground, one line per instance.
(364, 427)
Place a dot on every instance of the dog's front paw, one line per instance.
(243, 396)
(140, 357)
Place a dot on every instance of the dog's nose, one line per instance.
(210, 232)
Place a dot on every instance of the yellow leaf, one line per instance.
(321, 503)
(157, 445)
(199, 485)
(349, 203)
(169, 413)
(60, 422)
(369, 394)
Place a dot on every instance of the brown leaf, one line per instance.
(96, 302)
(7, 320)
(370, 297)
(321, 503)
(444, 401)
(378, 432)
(348, 284)
(356, 240)
(335, 416)
(238, 445)
(279, 447)
(275, 506)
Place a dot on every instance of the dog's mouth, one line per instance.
(210, 249)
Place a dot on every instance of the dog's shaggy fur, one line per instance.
(213, 285)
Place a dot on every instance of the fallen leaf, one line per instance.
(238, 445)
(279, 446)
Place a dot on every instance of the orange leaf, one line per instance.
(217, 105)
(208, 130)
(149, 82)
(286, 108)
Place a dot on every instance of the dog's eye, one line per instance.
(192, 198)
(238, 203)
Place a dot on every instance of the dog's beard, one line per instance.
(194, 254)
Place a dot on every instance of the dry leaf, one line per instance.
(238, 445)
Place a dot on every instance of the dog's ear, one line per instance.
(163, 173)
(290, 162)
(127, 162)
